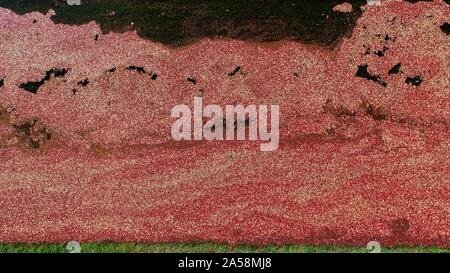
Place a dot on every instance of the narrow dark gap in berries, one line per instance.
(191, 80)
(395, 69)
(139, 69)
(235, 71)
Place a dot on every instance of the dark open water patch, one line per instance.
(415, 81)
(395, 69)
(445, 28)
(178, 22)
(363, 72)
(33, 87)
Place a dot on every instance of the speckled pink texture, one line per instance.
(344, 7)
(358, 161)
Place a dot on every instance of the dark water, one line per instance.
(177, 22)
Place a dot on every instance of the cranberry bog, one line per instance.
(86, 150)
